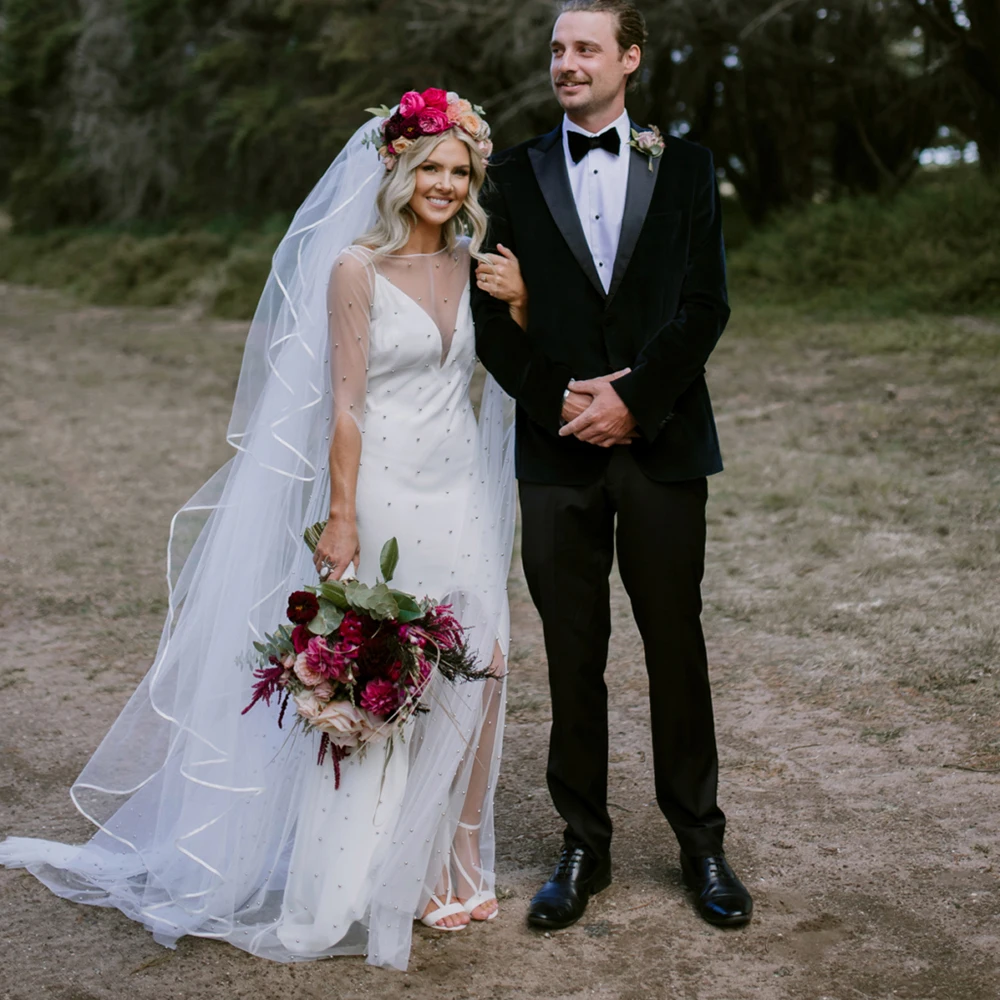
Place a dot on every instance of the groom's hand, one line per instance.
(607, 421)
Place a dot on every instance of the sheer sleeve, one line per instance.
(349, 302)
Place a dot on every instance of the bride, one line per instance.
(356, 373)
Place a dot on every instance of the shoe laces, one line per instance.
(567, 862)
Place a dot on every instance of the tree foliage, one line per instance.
(146, 110)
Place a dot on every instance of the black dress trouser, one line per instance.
(569, 536)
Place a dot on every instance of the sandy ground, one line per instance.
(851, 613)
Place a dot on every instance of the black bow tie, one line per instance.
(580, 145)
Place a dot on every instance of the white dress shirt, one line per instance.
(599, 183)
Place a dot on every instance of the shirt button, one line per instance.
(596, 216)
(595, 171)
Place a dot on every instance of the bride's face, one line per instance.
(442, 182)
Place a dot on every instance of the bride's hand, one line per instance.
(501, 278)
(338, 547)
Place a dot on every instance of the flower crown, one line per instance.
(430, 113)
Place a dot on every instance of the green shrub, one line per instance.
(934, 247)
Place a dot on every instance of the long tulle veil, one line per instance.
(193, 803)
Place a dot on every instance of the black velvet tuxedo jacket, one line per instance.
(662, 317)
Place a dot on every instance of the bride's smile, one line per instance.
(441, 183)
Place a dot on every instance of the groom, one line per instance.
(620, 246)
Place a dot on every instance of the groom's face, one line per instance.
(589, 70)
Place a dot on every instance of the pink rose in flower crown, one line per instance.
(470, 122)
(411, 103)
(457, 108)
(305, 673)
(435, 98)
(398, 146)
(433, 121)
(380, 697)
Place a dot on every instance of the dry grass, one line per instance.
(851, 610)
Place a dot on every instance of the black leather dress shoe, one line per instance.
(721, 898)
(562, 900)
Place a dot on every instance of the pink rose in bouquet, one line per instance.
(344, 724)
(308, 706)
(411, 103)
(323, 691)
(305, 673)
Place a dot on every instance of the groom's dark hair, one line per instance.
(631, 24)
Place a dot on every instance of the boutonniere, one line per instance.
(649, 143)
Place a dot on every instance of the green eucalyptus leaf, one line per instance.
(406, 602)
(382, 603)
(328, 620)
(389, 559)
(381, 112)
(335, 592)
(260, 647)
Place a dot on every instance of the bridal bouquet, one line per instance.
(356, 660)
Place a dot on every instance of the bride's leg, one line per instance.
(469, 875)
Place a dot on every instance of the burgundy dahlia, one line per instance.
(302, 607)
(409, 128)
(380, 697)
(393, 127)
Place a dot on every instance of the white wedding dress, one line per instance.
(402, 360)
(217, 824)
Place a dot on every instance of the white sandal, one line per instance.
(482, 895)
(444, 910)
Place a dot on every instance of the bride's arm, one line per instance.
(500, 276)
(349, 310)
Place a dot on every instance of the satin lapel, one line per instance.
(549, 164)
(641, 181)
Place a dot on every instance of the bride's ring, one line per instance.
(325, 570)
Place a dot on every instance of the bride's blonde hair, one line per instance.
(395, 217)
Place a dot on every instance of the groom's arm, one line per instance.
(523, 371)
(677, 354)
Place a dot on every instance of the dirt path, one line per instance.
(851, 611)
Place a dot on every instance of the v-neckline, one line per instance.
(445, 355)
